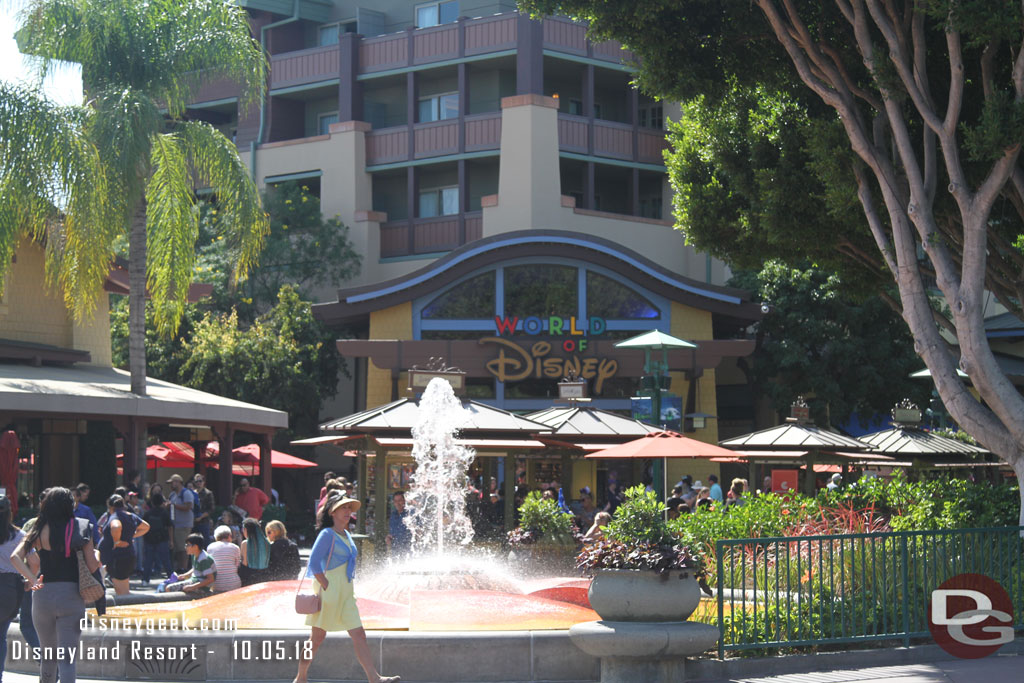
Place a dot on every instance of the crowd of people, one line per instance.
(39, 563)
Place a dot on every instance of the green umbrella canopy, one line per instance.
(655, 339)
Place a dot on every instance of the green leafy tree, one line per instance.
(142, 61)
(929, 99)
(844, 355)
(302, 248)
(285, 359)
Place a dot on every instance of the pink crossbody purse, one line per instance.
(309, 603)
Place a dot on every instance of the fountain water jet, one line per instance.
(436, 495)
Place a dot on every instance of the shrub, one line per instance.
(542, 519)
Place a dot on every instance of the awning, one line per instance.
(90, 390)
(325, 440)
(492, 444)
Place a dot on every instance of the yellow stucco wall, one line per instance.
(694, 324)
(31, 312)
(388, 323)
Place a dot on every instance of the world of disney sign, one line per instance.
(518, 360)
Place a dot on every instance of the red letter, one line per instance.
(506, 326)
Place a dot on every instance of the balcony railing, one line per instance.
(304, 66)
(564, 35)
(610, 139)
(429, 235)
(469, 37)
(437, 138)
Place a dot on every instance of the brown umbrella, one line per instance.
(663, 444)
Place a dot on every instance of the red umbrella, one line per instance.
(250, 455)
(9, 447)
(663, 444)
(159, 455)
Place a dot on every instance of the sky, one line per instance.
(64, 85)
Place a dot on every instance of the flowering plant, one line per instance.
(639, 538)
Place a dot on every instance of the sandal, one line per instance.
(390, 679)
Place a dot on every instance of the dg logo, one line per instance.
(971, 616)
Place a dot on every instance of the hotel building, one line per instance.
(501, 179)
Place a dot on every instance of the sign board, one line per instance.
(785, 480)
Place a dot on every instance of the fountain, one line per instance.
(444, 614)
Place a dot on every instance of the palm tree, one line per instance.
(135, 159)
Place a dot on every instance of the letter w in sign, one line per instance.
(506, 326)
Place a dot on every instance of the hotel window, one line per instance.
(436, 13)
(327, 34)
(576, 107)
(439, 107)
(650, 207)
(440, 201)
(324, 122)
(650, 117)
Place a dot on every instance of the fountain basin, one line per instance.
(269, 655)
(543, 604)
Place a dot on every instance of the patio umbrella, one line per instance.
(9, 446)
(159, 455)
(663, 444)
(249, 455)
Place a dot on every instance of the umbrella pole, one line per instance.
(664, 485)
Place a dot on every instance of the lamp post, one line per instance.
(655, 376)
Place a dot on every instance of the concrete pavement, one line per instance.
(995, 669)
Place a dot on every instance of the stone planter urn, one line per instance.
(644, 595)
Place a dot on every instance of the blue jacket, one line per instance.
(343, 552)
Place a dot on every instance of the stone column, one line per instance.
(529, 185)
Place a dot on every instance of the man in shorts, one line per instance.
(203, 571)
(182, 519)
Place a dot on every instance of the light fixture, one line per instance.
(698, 420)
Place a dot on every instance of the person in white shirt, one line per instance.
(226, 557)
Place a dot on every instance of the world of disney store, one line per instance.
(518, 313)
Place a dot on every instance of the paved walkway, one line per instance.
(997, 669)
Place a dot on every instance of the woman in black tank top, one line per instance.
(57, 607)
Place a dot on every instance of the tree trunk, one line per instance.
(135, 449)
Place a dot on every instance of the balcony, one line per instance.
(438, 43)
(429, 235)
(476, 133)
(303, 67)
(564, 35)
(470, 37)
(610, 139)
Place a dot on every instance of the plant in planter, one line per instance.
(642, 572)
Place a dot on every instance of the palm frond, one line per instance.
(215, 161)
(165, 48)
(53, 188)
(172, 228)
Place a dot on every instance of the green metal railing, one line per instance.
(816, 590)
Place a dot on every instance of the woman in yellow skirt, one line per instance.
(332, 562)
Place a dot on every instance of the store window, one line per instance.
(439, 201)
(436, 13)
(472, 298)
(614, 300)
(541, 290)
(438, 107)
